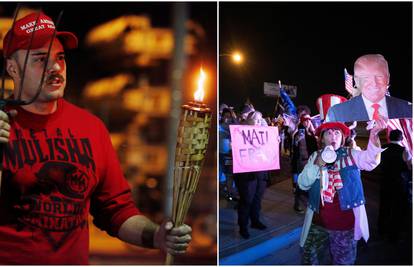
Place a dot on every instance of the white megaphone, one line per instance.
(328, 154)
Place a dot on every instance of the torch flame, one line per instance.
(199, 94)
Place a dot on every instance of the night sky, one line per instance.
(308, 45)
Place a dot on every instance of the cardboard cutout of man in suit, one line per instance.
(372, 79)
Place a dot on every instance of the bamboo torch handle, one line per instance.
(187, 179)
(169, 260)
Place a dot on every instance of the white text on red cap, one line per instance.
(29, 26)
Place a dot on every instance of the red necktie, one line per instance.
(376, 114)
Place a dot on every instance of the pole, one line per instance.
(176, 77)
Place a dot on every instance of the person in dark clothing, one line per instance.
(304, 144)
(251, 187)
(228, 117)
(394, 212)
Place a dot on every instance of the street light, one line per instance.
(236, 57)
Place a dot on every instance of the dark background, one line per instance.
(309, 45)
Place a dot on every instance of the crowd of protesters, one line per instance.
(297, 140)
(326, 164)
(299, 143)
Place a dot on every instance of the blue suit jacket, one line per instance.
(354, 110)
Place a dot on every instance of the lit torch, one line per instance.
(192, 141)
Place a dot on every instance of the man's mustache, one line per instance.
(54, 76)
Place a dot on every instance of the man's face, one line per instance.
(54, 81)
(372, 79)
(255, 120)
(226, 117)
(306, 123)
(332, 137)
(244, 115)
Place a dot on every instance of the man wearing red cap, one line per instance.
(59, 164)
(336, 216)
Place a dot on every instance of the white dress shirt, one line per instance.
(382, 110)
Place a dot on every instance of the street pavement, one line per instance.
(278, 244)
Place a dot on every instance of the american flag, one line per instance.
(405, 125)
(348, 82)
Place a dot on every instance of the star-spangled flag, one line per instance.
(349, 86)
(405, 125)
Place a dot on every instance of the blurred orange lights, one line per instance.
(151, 182)
(199, 94)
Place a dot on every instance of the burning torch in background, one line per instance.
(192, 141)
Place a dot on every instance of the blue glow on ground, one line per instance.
(262, 249)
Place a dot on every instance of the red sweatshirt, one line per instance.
(57, 169)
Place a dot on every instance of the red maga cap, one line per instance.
(22, 33)
(333, 125)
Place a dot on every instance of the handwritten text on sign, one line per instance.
(254, 148)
